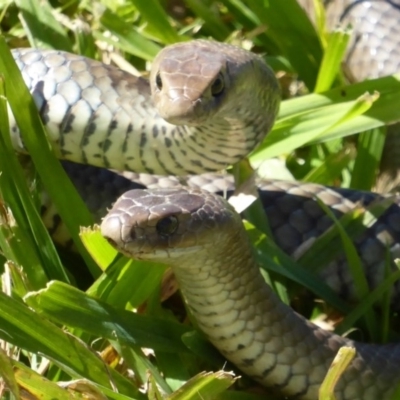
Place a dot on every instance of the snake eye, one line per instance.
(159, 83)
(218, 86)
(167, 226)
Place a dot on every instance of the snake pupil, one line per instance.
(167, 226)
(218, 86)
(159, 82)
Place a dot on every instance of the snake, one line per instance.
(186, 120)
(200, 236)
(188, 123)
(295, 217)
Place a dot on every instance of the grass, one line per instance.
(51, 331)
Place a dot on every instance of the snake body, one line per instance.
(295, 217)
(368, 55)
(100, 115)
(232, 304)
(184, 122)
(374, 49)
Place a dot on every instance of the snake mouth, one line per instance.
(180, 110)
(111, 242)
(177, 251)
(160, 255)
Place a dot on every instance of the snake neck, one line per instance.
(251, 327)
(147, 143)
(177, 150)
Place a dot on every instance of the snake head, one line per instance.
(188, 82)
(163, 224)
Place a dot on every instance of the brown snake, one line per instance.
(84, 103)
(202, 238)
(100, 115)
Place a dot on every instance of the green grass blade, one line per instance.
(319, 16)
(129, 39)
(315, 126)
(100, 250)
(212, 23)
(24, 328)
(328, 245)
(242, 13)
(158, 20)
(178, 372)
(115, 285)
(141, 365)
(343, 358)
(69, 306)
(273, 259)
(205, 385)
(331, 168)
(369, 152)
(302, 46)
(43, 29)
(331, 61)
(386, 87)
(355, 267)
(40, 388)
(367, 303)
(7, 374)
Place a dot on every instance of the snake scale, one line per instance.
(84, 104)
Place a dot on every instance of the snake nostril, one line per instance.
(159, 82)
(132, 233)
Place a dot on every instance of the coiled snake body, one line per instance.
(100, 115)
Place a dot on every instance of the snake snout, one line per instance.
(180, 106)
(177, 110)
(111, 229)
